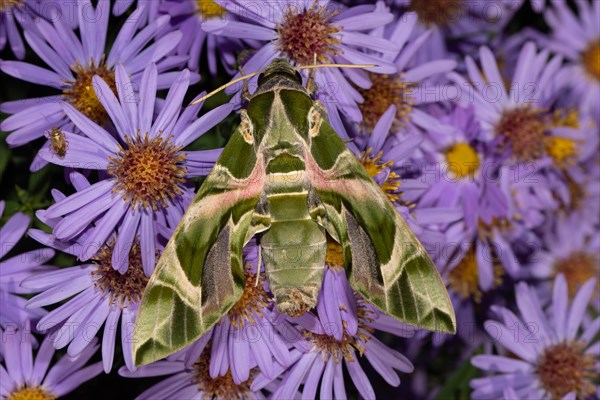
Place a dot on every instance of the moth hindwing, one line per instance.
(286, 175)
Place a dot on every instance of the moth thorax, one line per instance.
(31, 393)
(523, 129)
(296, 301)
(81, 94)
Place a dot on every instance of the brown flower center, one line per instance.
(463, 160)
(437, 12)
(591, 60)
(209, 9)
(385, 91)
(253, 300)
(306, 34)
(124, 288)
(149, 171)
(31, 393)
(523, 129)
(577, 268)
(328, 346)
(374, 165)
(221, 387)
(565, 368)
(81, 92)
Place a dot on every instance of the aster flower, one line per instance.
(14, 269)
(301, 30)
(577, 38)
(554, 357)
(12, 12)
(26, 377)
(144, 184)
(74, 61)
(342, 331)
(150, 8)
(188, 16)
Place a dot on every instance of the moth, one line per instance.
(287, 177)
(58, 142)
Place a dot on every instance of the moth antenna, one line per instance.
(337, 66)
(225, 86)
(259, 263)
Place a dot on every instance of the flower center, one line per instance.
(591, 59)
(462, 160)
(334, 255)
(6, 5)
(31, 393)
(149, 172)
(437, 12)
(385, 91)
(374, 166)
(561, 150)
(81, 92)
(125, 288)
(566, 117)
(577, 268)
(209, 9)
(304, 35)
(464, 278)
(253, 300)
(565, 368)
(523, 128)
(328, 346)
(221, 387)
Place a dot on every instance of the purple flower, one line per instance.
(552, 356)
(143, 186)
(26, 377)
(301, 30)
(342, 331)
(74, 61)
(150, 8)
(14, 269)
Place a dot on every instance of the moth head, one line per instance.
(296, 301)
(279, 66)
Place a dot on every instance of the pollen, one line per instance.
(80, 92)
(334, 255)
(148, 171)
(463, 160)
(123, 288)
(562, 150)
(6, 5)
(253, 300)
(31, 393)
(591, 60)
(577, 269)
(304, 35)
(221, 387)
(566, 117)
(565, 368)
(374, 165)
(385, 91)
(523, 129)
(464, 278)
(208, 9)
(437, 12)
(328, 346)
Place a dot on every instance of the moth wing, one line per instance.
(200, 276)
(385, 261)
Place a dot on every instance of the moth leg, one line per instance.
(245, 91)
(259, 263)
(311, 85)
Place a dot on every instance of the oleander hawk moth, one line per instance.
(287, 177)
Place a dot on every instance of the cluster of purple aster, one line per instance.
(483, 133)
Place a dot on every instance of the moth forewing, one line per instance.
(58, 143)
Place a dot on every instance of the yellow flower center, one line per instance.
(464, 278)
(374, 165)
(210, 9)
(591, 59)
(565, 368)
(568, 118)
(385, 91)
(462, 160)
(253, 300)
(309, 33)
(125, 288)
(81, 94)
(31, 393)
(328, 346)
(148, 171)
(437, 12)
(523, 129)
(561, 150)
(221, 387)
(577, 269)
(334, 256)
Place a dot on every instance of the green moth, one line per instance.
(287, 175)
